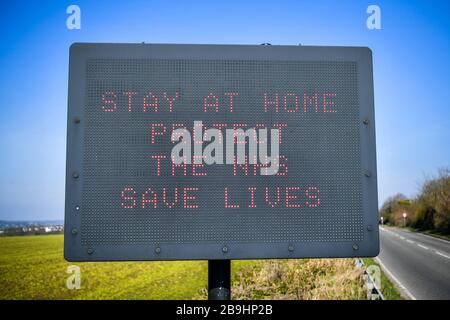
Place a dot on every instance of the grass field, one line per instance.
(33, 267)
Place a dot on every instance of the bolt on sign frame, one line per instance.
(125, 200)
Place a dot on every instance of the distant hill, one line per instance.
(26, 223)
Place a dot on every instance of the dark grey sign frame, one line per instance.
(75, 251)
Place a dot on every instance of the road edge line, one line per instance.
(432, 237)
(435, 237)
(395, 280)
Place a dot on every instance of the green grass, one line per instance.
(33, 267)
(388, 289)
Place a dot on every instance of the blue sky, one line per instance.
(411, 71)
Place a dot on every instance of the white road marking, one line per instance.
(391, 275)
(408, 293)
(418, 244)
(434, 238)
(417, 233)
(442, 254)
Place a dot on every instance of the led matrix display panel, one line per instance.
(126, 200)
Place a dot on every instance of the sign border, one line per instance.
(75, 251)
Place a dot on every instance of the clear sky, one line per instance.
(411, 72)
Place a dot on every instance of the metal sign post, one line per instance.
(219, 279)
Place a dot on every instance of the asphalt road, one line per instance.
(419, 264)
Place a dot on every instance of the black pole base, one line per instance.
(219, 279)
